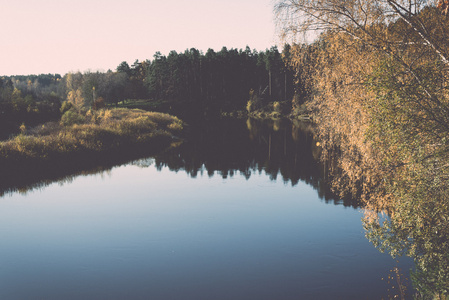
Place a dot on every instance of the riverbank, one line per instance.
(106, 137)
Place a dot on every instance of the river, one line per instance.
(240, 210)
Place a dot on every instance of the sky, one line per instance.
(60, 36)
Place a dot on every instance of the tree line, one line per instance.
(190, 81)
(218, 81)
(32, 99)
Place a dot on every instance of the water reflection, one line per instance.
(420, 232)
(282, 149)
(22, 177)
(155, 233)
(7, 130)
(285, 151)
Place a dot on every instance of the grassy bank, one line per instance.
(101, 138)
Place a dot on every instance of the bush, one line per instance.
(176, 126)
(71, 117)
(66, 106)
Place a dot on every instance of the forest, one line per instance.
(190, 83)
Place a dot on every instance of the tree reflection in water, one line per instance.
(420, 231)
(282, 149)
(287, 151)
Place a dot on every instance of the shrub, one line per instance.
(71, 117)
(66, 106)
(176, 126)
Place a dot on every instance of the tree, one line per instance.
(123, 67)
(90, 86)
(379, 91)
(158, 77)
(112, 87)
(76, 98)
(408, 65)
(369, 21)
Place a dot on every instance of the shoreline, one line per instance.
(52, 151)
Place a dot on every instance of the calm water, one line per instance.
(224, 216)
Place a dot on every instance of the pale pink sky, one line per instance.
(58, 36)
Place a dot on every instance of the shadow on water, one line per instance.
(282, 149)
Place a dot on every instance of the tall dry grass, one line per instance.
(101, 132)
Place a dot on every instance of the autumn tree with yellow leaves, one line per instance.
(377, 85)
(74, 91)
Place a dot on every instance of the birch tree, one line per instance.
(385, 62)
(367, 21)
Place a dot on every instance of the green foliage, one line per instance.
(72, 117)
(22, 101)
(66, 106)
(218, 81)
(419, 230)
(189, 82)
